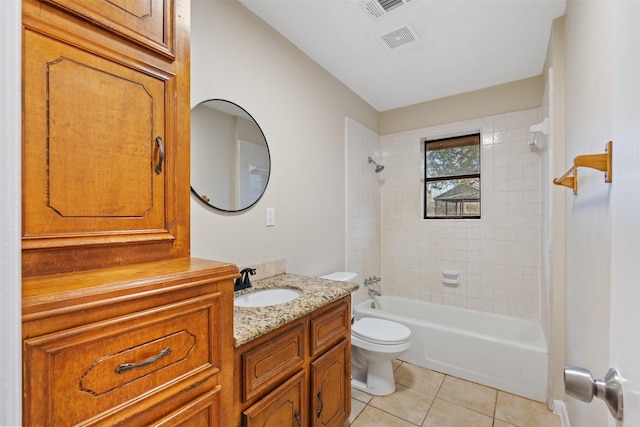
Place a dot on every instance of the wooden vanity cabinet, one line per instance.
(299, 374)
(105, 133)
(120, 326)
(150, 344)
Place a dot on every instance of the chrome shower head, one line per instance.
(379, 168)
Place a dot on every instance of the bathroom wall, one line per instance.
(555, 237)
(363, 204)
(505, 98)
(301, 110)
(498, 256)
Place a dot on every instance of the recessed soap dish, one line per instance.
(451, 277)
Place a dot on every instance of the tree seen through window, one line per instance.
(452, 177)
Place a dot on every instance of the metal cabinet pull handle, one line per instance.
(321, 404)
(128, 366)
(160, 155)
(297, 415)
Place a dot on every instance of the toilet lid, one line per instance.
(380, 331)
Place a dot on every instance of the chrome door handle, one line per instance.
(579, 383)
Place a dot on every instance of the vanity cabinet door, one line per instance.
(330, 385)
(149, 23)
(90, 163)
(105, 142)
(282, 407)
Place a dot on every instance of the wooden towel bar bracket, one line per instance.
(601, 162)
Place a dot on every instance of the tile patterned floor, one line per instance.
(430, 399)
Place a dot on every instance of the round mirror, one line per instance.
(230, 161)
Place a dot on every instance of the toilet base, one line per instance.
(379, 378)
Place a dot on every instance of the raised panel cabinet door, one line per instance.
(96, 159)
(150, 23)
(330, 387)
(281, 408)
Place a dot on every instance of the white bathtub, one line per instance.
(504, 352)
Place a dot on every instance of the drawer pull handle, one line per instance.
(321, 404)
(297, 415)
(128, 366)
(160, 155)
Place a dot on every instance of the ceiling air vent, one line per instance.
(400, 36)
(378, 8)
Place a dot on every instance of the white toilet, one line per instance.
(374, 344)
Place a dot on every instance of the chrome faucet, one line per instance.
(371, 281)
(243, 282)
(373, 293)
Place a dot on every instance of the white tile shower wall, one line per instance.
(499, 255)
(363, 204)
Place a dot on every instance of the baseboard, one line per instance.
(559, 408)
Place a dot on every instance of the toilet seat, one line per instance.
(380, 331)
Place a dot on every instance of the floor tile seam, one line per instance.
(422, 392)
(492, 415)
(393, 415)
(464, 407)
(434, 395)
(495, 405)
(386, 412)
(358, 416)
(363, 401)
(545, 409)
(426, 393)
(495, 400)
(433, 399)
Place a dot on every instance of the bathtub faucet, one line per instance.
(371, 281)
(374, 293)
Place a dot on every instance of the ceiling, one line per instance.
(450, 46)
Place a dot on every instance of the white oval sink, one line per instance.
(267, 297)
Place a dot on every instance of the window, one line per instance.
(452, 177)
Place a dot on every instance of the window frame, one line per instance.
(427, 179)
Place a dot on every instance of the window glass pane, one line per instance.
(453, 198)
(458, 156)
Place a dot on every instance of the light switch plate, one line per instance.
(271, 217)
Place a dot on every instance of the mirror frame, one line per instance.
(208, 202)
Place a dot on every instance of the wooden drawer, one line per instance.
(272, 362)
(80, 373)
(330, 327)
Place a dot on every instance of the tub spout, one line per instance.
(374, 293)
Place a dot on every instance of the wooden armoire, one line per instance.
(120, 325)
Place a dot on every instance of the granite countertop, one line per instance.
(250, 323)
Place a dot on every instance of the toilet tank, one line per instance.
(341, 276)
